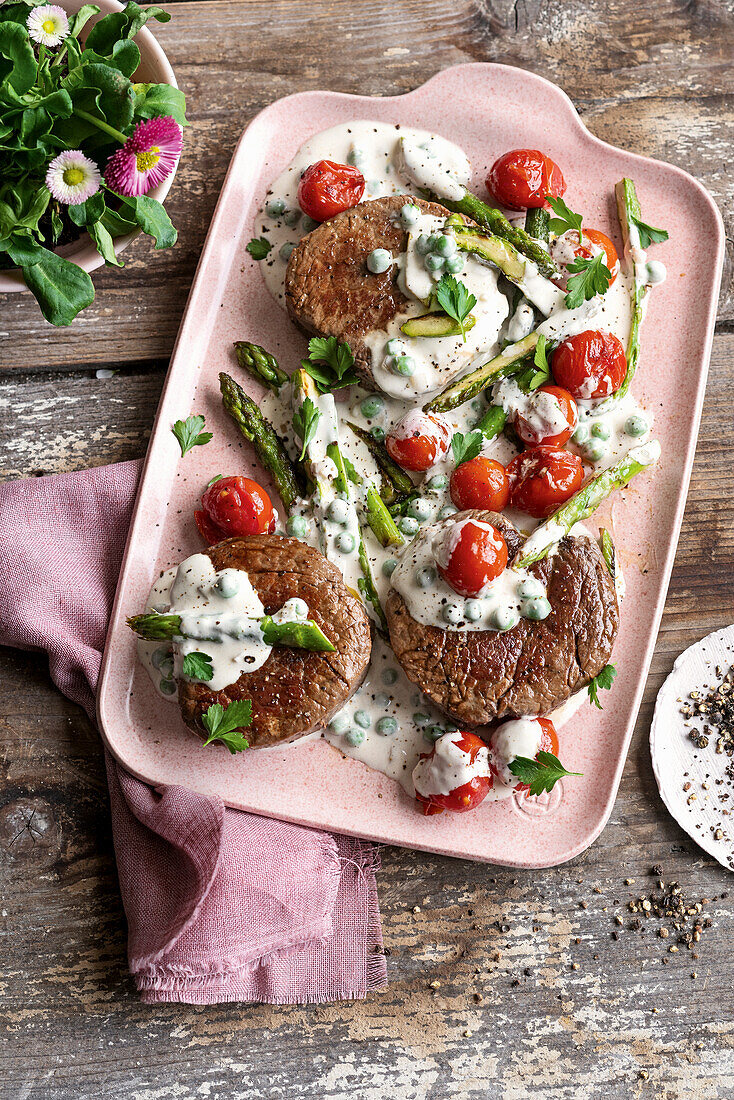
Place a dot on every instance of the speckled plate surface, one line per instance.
(487, 109)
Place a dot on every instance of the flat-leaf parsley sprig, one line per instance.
(330, 363)
(455, 300)
(190, 433)
(226, 725)
(604, 680)
(593, 277)
(305, 423)
(540, 774)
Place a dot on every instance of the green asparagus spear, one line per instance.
(537, 223)
(540, 291)
(609, 552)
(380, 520)
(260, 364)
(395, 474)
(628, 209)
(507, 362)
(581, 505)
(491, 423)
(497, 223)
(268, 445)
(303, 634)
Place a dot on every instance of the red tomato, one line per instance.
(238, 506)
(326, 188)
(548, 743)
(523, 177)
(595, 236)
(480, 483)
(591, 364)
(419, 440)
(543, 478)
(208, 531)
(469, 795)
(532, 436)
(476, 557)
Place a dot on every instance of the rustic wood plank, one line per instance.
(233, 57)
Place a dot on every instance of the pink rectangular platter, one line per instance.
(487, 109)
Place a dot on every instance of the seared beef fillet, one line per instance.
(479, 675)
(328, 289)
(295, 691)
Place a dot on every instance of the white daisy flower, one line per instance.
(72, 178)
(48, 24)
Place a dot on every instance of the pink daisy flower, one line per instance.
(146, 158)
(72, 178)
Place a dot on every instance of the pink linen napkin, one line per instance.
(221, 905)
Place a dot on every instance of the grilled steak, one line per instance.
(328, 289)
(296, 691)
(478, 676)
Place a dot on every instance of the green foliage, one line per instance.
(330, 364)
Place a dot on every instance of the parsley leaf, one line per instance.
(466, 447)
(454, 299)
(539, 372)
(225, 725)
(565, 218)
(189, 434)
(198, 666)
(305, 422)
(217, 477)
(593, 278)
(540, 774)
(602, 680)
(258, 247)
(330, 364)
(649, 234)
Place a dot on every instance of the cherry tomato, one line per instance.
(542, 478)
(532, 435)
(475, 556)
(469, 795)
(238, 506)
(480, 483)
(596, 237)
(523, 177)
(591, 364)
(210, 533)
(548, 743)
(326, 188)
(419, 440)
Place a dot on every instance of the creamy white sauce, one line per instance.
(541, 412)
(449, 768)
(433, 165)
(519, 737)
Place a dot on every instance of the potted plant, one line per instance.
(90, 136)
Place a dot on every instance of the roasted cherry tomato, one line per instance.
(418, 441)
(559, 405)
(591, 237)
(326, 188)
(548, 743)
(472, 557)
(591, 364)
(237, 506)
(542, 478)
(523, 177)
(210, 533)
(468, 795)
(480, 483)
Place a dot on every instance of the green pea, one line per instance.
(372, 406)
(387, 727)
(601, 430)
(227, 586)
(452, 614)
(426, 577)
(421, 245)
(299, 608)
(354, 736)
(445, 245)
(505, 618)
(420, 508)
(447, 510)
(285, 250)
(408, 525)
(473, 610)
(382, 700)
(389, 566)
(433, 733)
(166, 668)
(168, 687)
(395, 346)
(309, 224)
(274, 207)
(635, 425)
(161, 654)
(536, 608)
(297, 527)
(377, 433)
(595, 450)
(438, 482)
(355, 156)
(581, 434)
(339, 723)
(362, 718)
(455, 264)
(529, 587)
(405, 364)
(292, 217)
(421, 719)
(410, 214)
(346, 542)
(434, 262)
(433, 240)
(379, 260)
(390, 676)
(338, 511)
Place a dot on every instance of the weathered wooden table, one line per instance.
(502, 983)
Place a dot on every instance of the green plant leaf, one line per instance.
(649, 234)
(466, 447)
(593, 278)
(61, 288)
(189, 433)
(81, 18)
(17, 60)
(86, 213)
(198, 666)
(104, 92)
(153, 100)
(330, 363)
(122, 24)
(125, 57)
(604, 680)
(103, 241)
(152, 219)
(540, 774)
(305, 422)
(258, 247)
(536, 375)
(565, 218)
(454, 299)
(225, 725)
(117, 224)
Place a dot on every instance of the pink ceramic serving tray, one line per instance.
(487, 109)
